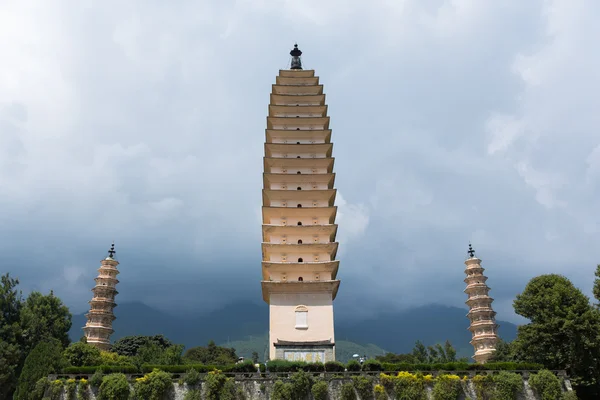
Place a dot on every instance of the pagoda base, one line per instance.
(316, 351)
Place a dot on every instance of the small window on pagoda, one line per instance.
(299, 241)
(298, 172)
(299, 222)
(301, 317)
(297, 129)
(298, 188)
(300, 279)
(299, 205)
(300, 259)
(297, 142)
(298, 157)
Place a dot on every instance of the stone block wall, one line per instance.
(261, 388)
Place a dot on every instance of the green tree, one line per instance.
(505, 352)
(152, 353)
(45, 358)
(597, 285)
(130, 345)
(449, 352)
(44, 317)
(396, 358)
(563, 332)
(211, 354)
(432, 355)
(10, 331)
(80, 354)
(420, 352)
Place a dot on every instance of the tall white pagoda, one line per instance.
(299, 266)
(98, 327)
(483, 327)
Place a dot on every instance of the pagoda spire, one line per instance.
(483, 327)
(296, 61)
(98, 327)
(299, 247)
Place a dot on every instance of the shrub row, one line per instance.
(106, 369)
(245, 367)
(294, 366)
(456, 366)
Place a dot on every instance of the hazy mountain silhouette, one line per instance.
(243, 321)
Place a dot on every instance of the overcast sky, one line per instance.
(453, 121)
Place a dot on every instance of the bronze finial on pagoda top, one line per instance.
(296, 61)
(112, 251)
(471, 252)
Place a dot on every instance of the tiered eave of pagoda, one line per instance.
(482, 318)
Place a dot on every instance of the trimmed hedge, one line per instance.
(334, 366)
(245, 367)
(294, 366)
(106, 369)
(460, 366)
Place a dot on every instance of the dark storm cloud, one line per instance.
(453, 121)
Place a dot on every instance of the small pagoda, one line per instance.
(483, 327)
(98, 327)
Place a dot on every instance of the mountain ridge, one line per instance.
(241, 323)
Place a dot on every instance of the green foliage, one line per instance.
(484, 386)
(380, 393)
(44, 317)
(153, 386)
(353, 366)
(96, 379)
(505, 352)
(113, 359)
(282, 391)
(10, 333)
(39, 389)
(80, 354)
(245, 367)
(449, 352)
(334, 366)
(194, 394)
(114, 387)
(215, 380)
(570, 395)
(294, 366)
(391, 358)
(446, 387)
(129, 345)
(56, 388)
(319, 390)
(46, 358)
(71, 389)
(83, 390)
(152, 353)
(255, 357)
(211, 354)
(546, 385)
(507, 385)
(347, 392)
(192, 377)
(363, 386)
(419, 353)
(107, 369)
(301, 384)
(408, 386)
(372, 366)
(563, 332)
(231, 392)
(596, 289)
